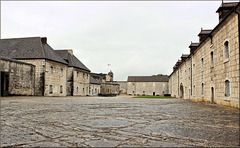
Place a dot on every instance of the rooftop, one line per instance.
(148, 79)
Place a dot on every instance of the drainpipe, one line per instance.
(238, 47)
(178, 82)
(191, 78)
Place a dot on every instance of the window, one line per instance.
(212, 59)
(83, 75)
(143, 92)
(189, 73)
(87, 76)
(50, 89)
(51, 70)
(133, 92)
(227, 88)
(202, 64)
(226, 50)
(77, 74)
(194, 90)
(61, 89)
(202, 89)
(61, 72)
(83, 91)
(77, 90)
(133, 84)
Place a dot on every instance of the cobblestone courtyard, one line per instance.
(116, 122)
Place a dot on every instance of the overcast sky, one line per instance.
(138, 38)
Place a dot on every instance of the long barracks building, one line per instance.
(210, 73)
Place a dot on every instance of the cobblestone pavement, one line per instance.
(116, 122)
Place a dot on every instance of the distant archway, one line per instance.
(181, 91)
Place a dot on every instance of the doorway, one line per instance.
(212, 96)
(4, 83)
(153, 93)
(181, 91)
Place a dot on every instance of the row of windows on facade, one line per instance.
(226, 57)
(83, 91)
(61, 72)
(144, 84)
(227, 88)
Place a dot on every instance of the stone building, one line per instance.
(147, 85)
(17, 78)
(210, 72)
(78, 75)
(108, 87)
(122, 87)
(94, 87)
(50, 68)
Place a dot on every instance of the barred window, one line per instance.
(61, 89)
(50, 89)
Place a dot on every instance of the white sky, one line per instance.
(138, 38)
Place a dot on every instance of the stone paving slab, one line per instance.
(120, 121)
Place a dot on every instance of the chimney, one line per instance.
(70, 51)
(44, 40)
(193, 47)
(203, 34)
(224, 9)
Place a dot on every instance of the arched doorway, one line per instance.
(181, 91)
(212, 95)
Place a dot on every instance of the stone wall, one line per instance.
(21, 77)
(81, 80)
(109, 89)
(122, 87)
(147, 88)
(39, 74)
(207, 80)
(57, 78)
(95, 89)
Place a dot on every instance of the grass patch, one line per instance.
(162, 97)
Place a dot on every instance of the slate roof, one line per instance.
(28, 48)
(71, 59)
(93, 81)
(148, 79)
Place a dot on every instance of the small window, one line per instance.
(143, 92)
(83, 91)
(77, 90)
(133, 84)
(61, 72)
(61, 89)
(83, 75)
(202, 64)
(227, 88)
(87, 76)
(133, 92)
(51, 70)
(189, 73)
(226, 50)
(212, 59)
(50, 89)
(194, 90)
(202, 89)
(77, 74)
(95, 90)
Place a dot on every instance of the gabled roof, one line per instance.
(226, 6)
(71, 59)
(148, 79)
(93, 81)
(28, 48)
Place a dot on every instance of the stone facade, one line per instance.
(17, 78)
(81, 82)
(211, 72)
(147, 88)
(95, 89)
(122, 87)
